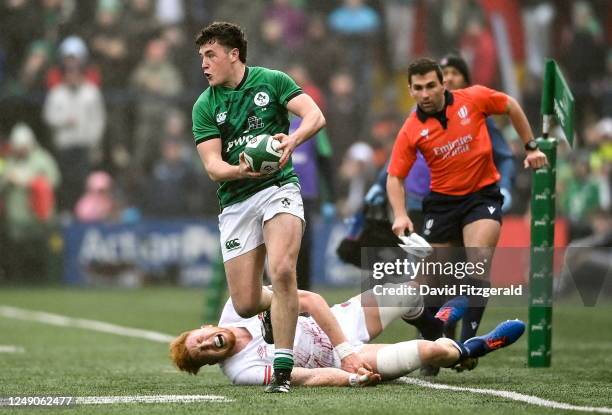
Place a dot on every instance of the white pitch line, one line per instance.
(515, 396)
(99, 400)
(58, 320)
(7, 348)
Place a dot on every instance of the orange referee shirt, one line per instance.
(455, 142)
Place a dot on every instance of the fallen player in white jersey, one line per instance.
(330, 345)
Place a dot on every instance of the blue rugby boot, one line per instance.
(503, 335)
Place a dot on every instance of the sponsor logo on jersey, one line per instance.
(463, 114)
(454, 147)
(238, 142)
(262, 351)
(221, 117)
(261, 99)
(255, 122)
(232, 244)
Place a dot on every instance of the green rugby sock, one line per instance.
(283, 359)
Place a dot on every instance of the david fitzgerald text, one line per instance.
(446, 290)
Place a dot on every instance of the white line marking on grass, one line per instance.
(58, 320)
(515, 396)
(100, 400)
(7, 348)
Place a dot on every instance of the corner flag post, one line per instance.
(557, 102)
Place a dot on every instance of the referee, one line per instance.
(449, 129)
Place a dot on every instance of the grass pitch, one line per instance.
(67, 361)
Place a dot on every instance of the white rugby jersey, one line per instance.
(253, 364)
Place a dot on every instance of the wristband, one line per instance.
(355, 380)
(344, 349)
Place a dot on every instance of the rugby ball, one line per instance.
(261, 154)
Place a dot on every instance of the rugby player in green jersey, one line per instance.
(261, 215)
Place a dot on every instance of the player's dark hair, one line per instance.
(227, 35)
(423, 66)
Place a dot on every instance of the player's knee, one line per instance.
(282, 272)
(431, 351)
(246, 310)
(398, 359)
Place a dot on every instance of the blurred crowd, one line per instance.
(96, 96)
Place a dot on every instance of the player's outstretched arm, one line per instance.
(312, 121)
(329, 376)
(318, 308)
(219, 170)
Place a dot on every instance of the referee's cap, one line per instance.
(458, 63)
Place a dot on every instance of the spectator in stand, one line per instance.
(20, 23)
(538, 18)
(27, 184)
(322, 54)
(180, 53)
(301, 76)
(74, 110)
(246, 13)
(358, 171)
(344, 125)
(292, 19)
(143, 26)
(73, 50)
(581, 195)
(55, 14)
(357, 26)
(478, 48)
(601, 157)
(33, 71)
(157, 84)
(584, 58)
(108, 38)
(98, 203)
(400, 16)
(174, 177)
(170, 12)
(21, 95)
(589, 257)
(354, 17)
(271, 50)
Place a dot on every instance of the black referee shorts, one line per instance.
(446, 215)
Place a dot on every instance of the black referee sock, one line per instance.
(430, 327)
(473, 315)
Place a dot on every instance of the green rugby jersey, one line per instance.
(256, 106)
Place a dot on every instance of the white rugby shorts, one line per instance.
(241, 224)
